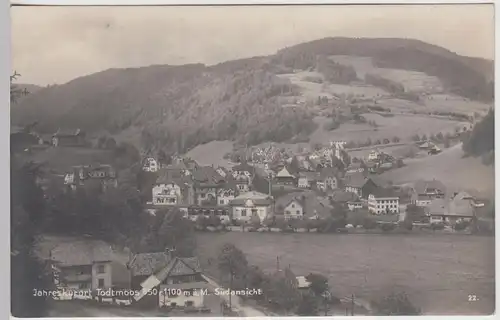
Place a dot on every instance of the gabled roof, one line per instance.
(310, 176)
(145, 264)
(461, 208)
(343, 196)
(244, 166)
(256, 197)
(207, 175)
(356, 180)
(167, 175)
(384, 193)
(83, 252)
(310, 203)
(421, 186)
(284, 173)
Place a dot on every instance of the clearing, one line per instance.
(450, 168)
(212, 153)
(437, 271)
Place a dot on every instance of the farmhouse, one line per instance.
(451, 211)
(356, 167)
(373, 155)
(383, 201)
(424, 191)
(163, 280)
(84, 265)
(358, 184)
(68, 139)
(104, 174)
(251, 203)
(300, 205)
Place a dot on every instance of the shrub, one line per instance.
(437, 226)
(369, 224)
(386, 227)
(460, 225)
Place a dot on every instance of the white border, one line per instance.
(231, 2)
(5, 70)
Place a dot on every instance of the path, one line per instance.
(237, 305)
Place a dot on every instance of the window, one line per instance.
(202, 195)
(297, 212)
(101, 269)
(221, 201)
(84, 285)
(243, 213)
(293, 205)
(100, 283)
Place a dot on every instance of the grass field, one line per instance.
(437, 271)
(402, 126)
(211, 153)
(450, 168)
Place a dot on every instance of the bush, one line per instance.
(386, 227)
(460, 225)
(369, 224)
(437, 226)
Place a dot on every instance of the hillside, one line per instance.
(176, 108)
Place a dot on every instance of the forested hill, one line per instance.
(179, 107)
(481, 141)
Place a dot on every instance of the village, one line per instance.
(268, 190)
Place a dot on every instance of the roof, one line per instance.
(384, 193)
(310, 176)
(83, 252)
(207, 175)
(67, 132)
(284, 173)
(168, 175)
(302, 282)
(256, 197)
(442, 207)
(145, 264)
(421, 186)
(244, 166)
(328, 172)
(356, 180)
(311, 204)
(343, 196)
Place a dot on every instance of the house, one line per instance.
(328, 179)
(243, 174)
(358, 184)
(302, 283)
(383, 201)
(225, 194)
(303, 205)
(354, 205)
(284, 177)
(104, 174)
(356, 167)
(68, 139)
(207, 183)
(472, 197)
(163, 280)
(424, 191)
(307, 179)
(251, 203)
(150, 165)
(172, 189)
(82, 265)
(428, 145)
(450, 211)
(373, 155)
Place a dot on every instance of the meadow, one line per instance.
(438, 272)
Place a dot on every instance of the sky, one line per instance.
(57, 44)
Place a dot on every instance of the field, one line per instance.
(211, 153)
(437, 271)
(402, 126)
(450, 168)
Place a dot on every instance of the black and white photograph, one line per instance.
(252, 160)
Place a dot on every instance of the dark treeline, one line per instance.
(481, 140)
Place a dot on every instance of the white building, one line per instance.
(251, 203)
(150, 165)
(373, 155)
(167, 194)
(382, 204)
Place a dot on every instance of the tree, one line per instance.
(424, 137)
(416, 138)
(319, 283)
(233, 262)
(110, 143)
(395, 139)
(395, 304)
(439, 137)
(283, 290)
(386, 141)
(308, 305)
